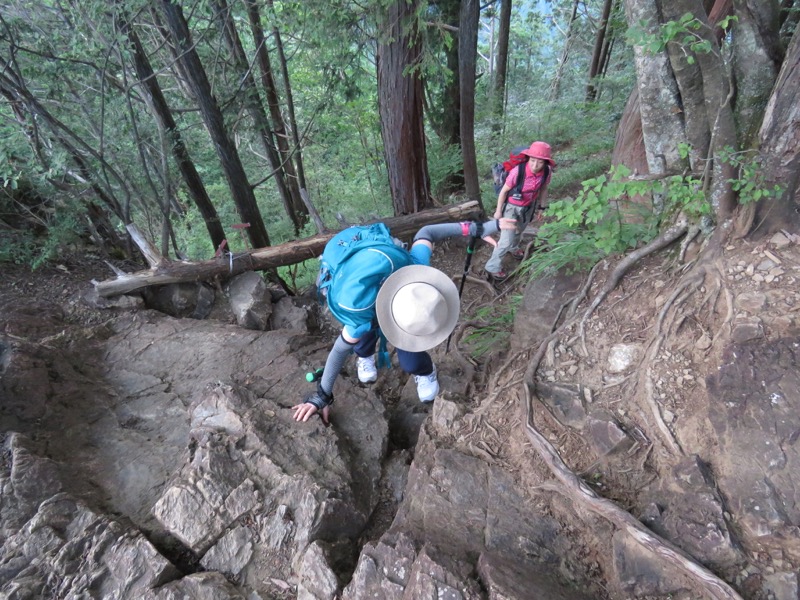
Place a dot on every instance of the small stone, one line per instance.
(766, 265)
(622, 356)
(747, 329)
(758, 278)
(704, 343)
(779, 240)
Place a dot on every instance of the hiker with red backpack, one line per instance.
(374, 286)
(523, 193)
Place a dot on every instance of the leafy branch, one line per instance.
(684, 32)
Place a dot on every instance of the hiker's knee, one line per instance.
(415, 363)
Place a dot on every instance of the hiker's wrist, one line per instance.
(320, 398)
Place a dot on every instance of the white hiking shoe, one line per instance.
(367, 372)
(427, 386)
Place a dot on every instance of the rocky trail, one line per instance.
(154, 456)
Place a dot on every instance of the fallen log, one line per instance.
(258, 259)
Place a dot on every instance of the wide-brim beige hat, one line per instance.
(417, 308)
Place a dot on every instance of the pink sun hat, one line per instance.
(540, 150)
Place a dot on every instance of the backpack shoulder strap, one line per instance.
(520, 178)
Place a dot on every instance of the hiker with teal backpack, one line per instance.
(374, 287)
(522, 195)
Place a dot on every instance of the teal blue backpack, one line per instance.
(354, 265)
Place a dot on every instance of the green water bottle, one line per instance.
(314, 375)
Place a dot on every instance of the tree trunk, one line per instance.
(452, 95)
(716, 91)
(780, 148)
(287, 87)
(240, 188)
(662, 125)
(18, 95)
(597, 53)
(160, 109)
(499, 91)
(757, 58)
(281, 139)
(400, 106)
(254, 106)
(163, 272)
(445, 118)
(468, 51)
(555, 87)
(689, 99)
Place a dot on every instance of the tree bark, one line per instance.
(400, 105)
(555, 87)
(444, 115)
(287, 87)
(240, 188)
(689, 80)
(757, 58)
(597, 53)
(499, 87)
(451, 122)
(662, 125)
(293, 252)
(468, 51)
(717, 93)
(161, 111)
(255, 107)
(780, 148)
(273, 102)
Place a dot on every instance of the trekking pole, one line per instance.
(470, 251)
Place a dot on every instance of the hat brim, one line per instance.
(398, 337)
(544, 158)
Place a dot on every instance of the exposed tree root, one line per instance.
(580, 493)
(663, 240)
(665, 431)
(584, 291)
(574, 487)
(692, 233)
(477, 281)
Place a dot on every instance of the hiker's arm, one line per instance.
(541, 204)
(323, 397)
(501, 199)
(431, 234)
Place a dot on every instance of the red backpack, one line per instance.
(501, 170)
